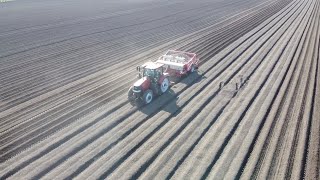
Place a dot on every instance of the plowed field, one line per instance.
(251, 111)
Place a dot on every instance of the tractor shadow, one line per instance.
(168, 101)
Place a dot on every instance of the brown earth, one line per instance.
(66, 67)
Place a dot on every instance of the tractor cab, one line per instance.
(151, 70)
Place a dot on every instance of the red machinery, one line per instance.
(154, 76)
(179, 63)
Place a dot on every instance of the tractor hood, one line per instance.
(140, 82)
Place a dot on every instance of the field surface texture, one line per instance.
(251, 111)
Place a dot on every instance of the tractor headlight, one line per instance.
(136, 89)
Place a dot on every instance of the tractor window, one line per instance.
(149, 72)
(159, 71)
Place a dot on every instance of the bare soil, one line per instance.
(66, 66)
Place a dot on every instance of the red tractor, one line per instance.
(152, 82)
(154, 76)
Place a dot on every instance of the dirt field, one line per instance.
(66, 67)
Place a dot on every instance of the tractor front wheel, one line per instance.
(131, 96)
(147, 96)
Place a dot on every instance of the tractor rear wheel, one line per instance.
(192, 69)
(147, 96)
(164, 85)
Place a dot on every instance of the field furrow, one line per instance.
(250, 111)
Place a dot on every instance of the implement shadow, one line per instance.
(188, 80)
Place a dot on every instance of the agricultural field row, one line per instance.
(251, 111)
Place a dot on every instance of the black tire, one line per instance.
(147, 96)
(139, 102)
(130, 94)
(192, 69)
(164, 86)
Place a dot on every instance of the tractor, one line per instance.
(152, 82)
(154, 76)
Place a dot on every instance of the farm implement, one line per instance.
(154, 77)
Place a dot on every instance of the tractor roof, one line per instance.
(152, 65)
